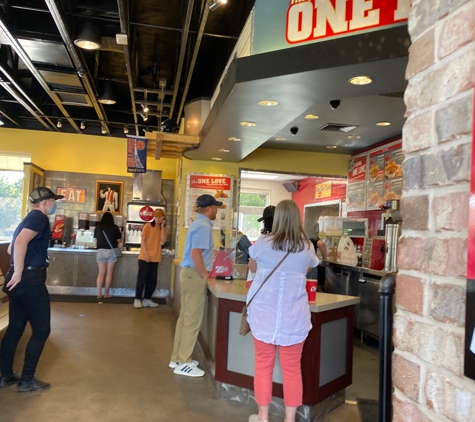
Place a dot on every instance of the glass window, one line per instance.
(11, 184)
(251, 206)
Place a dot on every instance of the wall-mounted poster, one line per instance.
(109, 196)
(217, 185)
(356, 189)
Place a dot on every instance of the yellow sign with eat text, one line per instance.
(323, 190)
(72, 194)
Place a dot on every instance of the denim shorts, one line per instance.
(105, 256)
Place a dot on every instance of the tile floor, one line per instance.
(109, 363)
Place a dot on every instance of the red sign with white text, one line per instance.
(310, 20)
(146, 213)
(210, 182)
(357, 169)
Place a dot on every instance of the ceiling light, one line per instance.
(1, 122)
(216, 4)
(280, 139)
(144, 116)
(103, 129)
(383, 124)
(83, 125)
(216, 158)
(331, 146)
(234, 139)
(108, 95)
(89, 36)
(248, 124)
(126, 129)
(223, 150)
(261, 176)
(59, 124)
(267, 103)
(145, 108)
(354, 137)
(311, 117)
(360, 80)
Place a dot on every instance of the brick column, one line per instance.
(437, 141)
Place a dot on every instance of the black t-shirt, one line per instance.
(37, 250)
(113, 233)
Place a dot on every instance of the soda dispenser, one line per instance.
(138, 214)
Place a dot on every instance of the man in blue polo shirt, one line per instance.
(195, 267)
(25, 286)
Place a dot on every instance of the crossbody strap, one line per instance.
(108, 241)
(267, 278)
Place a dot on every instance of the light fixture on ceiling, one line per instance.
(360, 80)
(216, 4)
(234, 139)
(59, 124)
(144, 116)
(89, 36)
(280, 139)
(103, 129)
(126, 129)
(223, 150)
(248, 124)
(332, 146)
(145, 108)
(83, 125)
(268, 103)
(354, 137)
(311, 117)
(108, 94)
(216, 158)
(383, 123)
(1, 122)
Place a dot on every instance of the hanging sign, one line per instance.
(136, 154)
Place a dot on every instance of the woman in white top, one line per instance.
(279, 315)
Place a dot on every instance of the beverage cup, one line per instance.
(312, 290)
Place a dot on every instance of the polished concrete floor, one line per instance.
(109, 363)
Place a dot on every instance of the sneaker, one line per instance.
(173, 365)
(34, 385)
(147, 303)
(137, 303)
(7, 381)
(188, 370)
(253, 418)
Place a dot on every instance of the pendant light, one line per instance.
(89, 36)
(108, 93)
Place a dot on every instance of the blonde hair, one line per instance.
(287, 230)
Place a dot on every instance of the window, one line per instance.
(11, 184)
(251, 206)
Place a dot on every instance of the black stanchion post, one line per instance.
(386, 290)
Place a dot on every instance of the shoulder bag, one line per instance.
(245, 328)
(116, 252)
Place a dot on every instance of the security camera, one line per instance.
(294, 130)
(334, 104)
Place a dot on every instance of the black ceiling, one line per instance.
(44, 77)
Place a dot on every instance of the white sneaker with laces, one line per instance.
(173, 365)
(147, 303)
(188, 370)
(137, 303)
(253, 418)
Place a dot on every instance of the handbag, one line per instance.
(244, 327)
(116, 252)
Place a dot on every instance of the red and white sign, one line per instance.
(72, 194)
(210, 182)
(146, 213)
(310, 20)
(58, 226)
(357, 169)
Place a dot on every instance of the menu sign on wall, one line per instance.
(356, 190)
(219, 186)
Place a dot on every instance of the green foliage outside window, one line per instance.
(10, 203)
(252, 199)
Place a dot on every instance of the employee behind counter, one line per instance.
(318, 273)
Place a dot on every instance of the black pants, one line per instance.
(146, 278)
(29, 302)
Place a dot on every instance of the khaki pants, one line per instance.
(193, 296)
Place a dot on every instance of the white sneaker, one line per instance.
(173, 365)
(137, 303)
(188, 370)
(147, 303)
(253, 418)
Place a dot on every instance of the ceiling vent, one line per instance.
(337, 127)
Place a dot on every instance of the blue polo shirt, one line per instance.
(199, 236)
(37, 250)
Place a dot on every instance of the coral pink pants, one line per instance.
(264, 360)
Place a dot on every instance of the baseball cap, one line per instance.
(204, 201)
(268, 212)
(158, 213)
(42, 193)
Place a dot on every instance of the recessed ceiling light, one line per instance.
(267, 103)
(216, 158)
(354, 137)
(280, 139)
(311, 117)
(223, 150)
(383, 124)
(234, 139)
(332, 146)
(360, 80)
(249, 124)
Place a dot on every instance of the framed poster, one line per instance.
(109, 196)
(217, 185)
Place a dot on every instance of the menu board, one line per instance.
(382, 177)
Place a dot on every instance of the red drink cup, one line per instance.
(312, 290)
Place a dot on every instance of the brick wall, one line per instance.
(432, 259)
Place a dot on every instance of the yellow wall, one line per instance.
(77, 153)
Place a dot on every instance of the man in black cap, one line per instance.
(196, 264)
(28, 296)
(268, 219)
